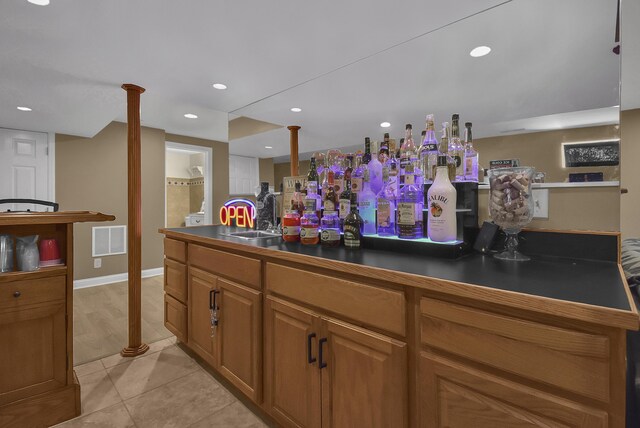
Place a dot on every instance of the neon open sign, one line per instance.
(243, 211)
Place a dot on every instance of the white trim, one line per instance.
(51, 137)
(208, 176)
(109, 279)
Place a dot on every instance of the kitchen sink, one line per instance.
(254, 234)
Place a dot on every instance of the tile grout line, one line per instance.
(217, 411)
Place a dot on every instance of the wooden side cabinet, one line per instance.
(321, 372)
(235, 349)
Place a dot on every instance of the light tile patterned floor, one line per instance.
(162, 388)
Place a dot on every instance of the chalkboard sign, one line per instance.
(601, 153)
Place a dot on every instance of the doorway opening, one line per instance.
(188, 186)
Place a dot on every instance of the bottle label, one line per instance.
(403, 163)
(384, 213)
(309, 231)
(409, 213)
(310, 204)
(260, 205)
(338, 185)
(457, 160)
(330, 235)
(364, 205)
(329, 205)
(409, 179)
(431, 148)
(351, 236)
(356, 184)
(345, 207)
(291, 230)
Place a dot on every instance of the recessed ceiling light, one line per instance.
(191, 116)
(385, 124)
(220, 86)
(268, 147)
(39, 2)
(480, 51)
(24, 109)
(296, 109)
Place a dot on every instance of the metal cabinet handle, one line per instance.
(310, 358)
(17, 294)
(212, 299)
(321, 363)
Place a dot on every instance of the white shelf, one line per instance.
(565, 185)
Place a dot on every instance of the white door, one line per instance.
(23, 168)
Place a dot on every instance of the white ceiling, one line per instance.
(349, 64)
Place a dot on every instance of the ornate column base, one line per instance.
(134, 352)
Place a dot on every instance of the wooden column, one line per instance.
(136, 347)
(293, 144)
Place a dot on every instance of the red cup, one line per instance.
(49, 252)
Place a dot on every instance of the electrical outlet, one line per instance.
(541, 203)
(97, 263)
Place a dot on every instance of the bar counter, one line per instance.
(383, 338)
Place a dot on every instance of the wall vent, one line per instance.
(109, 240)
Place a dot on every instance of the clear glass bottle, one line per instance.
(407, 152)
(441, 200)
(386, 206)
(313, 201)
(367, 206)
(417, 165)
(383, 154)
(309, 225)
(470, 155)
(456, 149)
(392, 165)
(410, 203)
(429, 152)
(313, 176)
(338, 173)
(353, 226)
(375, 171)
(330, 197)
(330, 229)
(357, 174)
(345, 202)
(443, 149)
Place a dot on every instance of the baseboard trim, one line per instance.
(109, 279)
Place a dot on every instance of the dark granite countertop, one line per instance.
(597, 283)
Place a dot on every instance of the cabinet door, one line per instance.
(34, 347)
(453, 395)
(201, 293)
(292, 378)
(364, 382)
(239, 338)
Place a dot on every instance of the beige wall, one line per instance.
(543, 150)
(91, 174)
(266, 171)
(630, 173)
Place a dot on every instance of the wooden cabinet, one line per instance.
(235, 349)
(313, 364)
(38, 386)
(454, 395)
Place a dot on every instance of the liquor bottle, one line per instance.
(345, 202)
(309, 224)
(443, 149)
(312, 176)
(367, 206)
(407, 152)
(312, 201)
(266, 208)
(470, 155)
(410, 204)
(297, 201)
(357, 175)
(291, 226)
(353, 226)
(429, 152)
(456, 150)
(375, 171)
(383, 154)
(330, 197)
(392, 164)
(441, 200)
(386, 205)
(330, 225)
(366, 158)
(338, 173)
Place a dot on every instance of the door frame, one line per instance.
(207, 175)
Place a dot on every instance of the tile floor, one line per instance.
(162, 388)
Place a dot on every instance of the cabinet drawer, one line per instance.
(572, 360)
(377, 307)
(237, 268)
(175, 317)
(175, 280)
(176, 250)
(31, 291)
